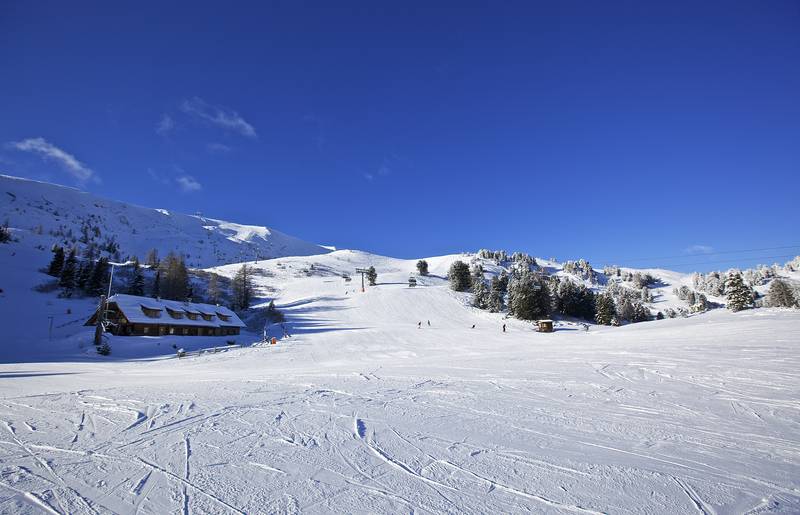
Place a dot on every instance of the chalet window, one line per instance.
(207, 317)
(192, 316)
(171, 330)
(146, 330)
(151, 313)
(175, 314)
(224, 318)
(185, 330)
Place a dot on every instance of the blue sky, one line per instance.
(611, 131)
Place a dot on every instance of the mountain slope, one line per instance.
(48, 212)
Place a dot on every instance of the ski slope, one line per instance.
(362, 411)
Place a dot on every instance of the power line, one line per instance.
(704, 254)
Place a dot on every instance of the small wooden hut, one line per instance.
(545, 326)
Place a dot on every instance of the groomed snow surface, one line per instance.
(361, 411)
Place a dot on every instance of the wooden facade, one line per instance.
(127, 315)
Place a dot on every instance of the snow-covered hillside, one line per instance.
(396, 399)
(42, 214)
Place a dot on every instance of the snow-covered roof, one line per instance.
(131, 306)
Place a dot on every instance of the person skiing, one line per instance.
(504, 327)
(419, 325)
(429, 323)
(473, 326)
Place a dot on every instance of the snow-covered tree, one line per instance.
(372, 275)
(481, 294)
(625, 310)
(422, 267)
(497, 295)
(739, 296)
(528, 296)
(700, 304)
(605, 310)
(459, 276)
(780, 295)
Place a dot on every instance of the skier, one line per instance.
(419, 325)
(473, 326)
(429, 323)
(504, 327)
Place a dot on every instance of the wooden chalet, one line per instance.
(130, 315)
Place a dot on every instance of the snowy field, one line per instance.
(359, 411)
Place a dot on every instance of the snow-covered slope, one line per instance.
(43, 213)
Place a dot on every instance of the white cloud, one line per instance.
(218, 148)
(188, 184)
(219, 116)
(699, 249)
(50, 152)
(368, 176)
(165, 125)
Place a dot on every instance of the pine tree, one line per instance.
(272, 313)
(780, 295)
(625, 310)
(739, 295)
(84, 274)
(480, 293)
(156, 291)
(69, 272)
(640, 313)
(136, 284)
(496, 296)
(528, 296)
(459, 276)
(700, 304)
(98, 283)
(502, 282)
(57, 263)
(422, 267)
(372, 276)
(243, 289)
(605, 310)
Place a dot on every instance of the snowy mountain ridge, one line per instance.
(51, 213)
